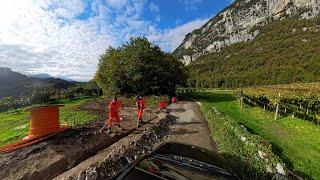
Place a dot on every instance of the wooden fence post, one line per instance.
(241, 101)
(240, 98)
(277, 109)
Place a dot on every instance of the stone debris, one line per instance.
(243, 138)
(268, 169)
(280, 169)
(92, 175)
(262, 154)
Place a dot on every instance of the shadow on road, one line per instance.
(178, 110)
(189, 123)
(182, 132)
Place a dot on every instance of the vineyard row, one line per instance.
(286, 107)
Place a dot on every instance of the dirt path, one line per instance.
(190, 127)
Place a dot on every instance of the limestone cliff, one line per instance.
(237, 23)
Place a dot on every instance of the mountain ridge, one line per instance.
(41, 75)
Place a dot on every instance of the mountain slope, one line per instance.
(285, 51)
(41, 75)
(238, 22)
(14, 84)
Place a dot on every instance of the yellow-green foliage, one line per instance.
(287, 91)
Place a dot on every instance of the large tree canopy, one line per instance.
(139, 67)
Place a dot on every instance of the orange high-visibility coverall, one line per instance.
(174, 99)
(141, 105)
(114, 107)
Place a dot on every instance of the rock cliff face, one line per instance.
(237, 23)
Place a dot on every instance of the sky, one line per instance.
(65, 38)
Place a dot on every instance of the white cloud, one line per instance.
(118, 4)
(58, 37)
(46, 36)
(154, 8)
(190, 5)
(170, 39)
(190, 2)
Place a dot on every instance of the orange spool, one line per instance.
(44, 123)
(44, 120)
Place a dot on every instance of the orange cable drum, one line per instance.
(44, 123)
(44, 120)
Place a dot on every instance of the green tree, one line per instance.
(139, 67)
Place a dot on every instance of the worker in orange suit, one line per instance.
(140, 103)
(174, 99)
(114, 107)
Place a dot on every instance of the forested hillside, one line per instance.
(18, 90)
(15, 84)
(286, 51)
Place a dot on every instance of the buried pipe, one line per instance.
(44, 123)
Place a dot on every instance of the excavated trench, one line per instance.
(107, 162)
(57, 154)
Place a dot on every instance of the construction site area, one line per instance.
(93, 152)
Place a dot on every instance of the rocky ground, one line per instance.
(85, 152)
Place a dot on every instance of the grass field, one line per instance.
(14, 123)
(295, 141)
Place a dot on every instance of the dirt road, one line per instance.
(190, 126)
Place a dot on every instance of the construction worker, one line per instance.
(140, 103)
(114, 107)
(174, 99)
